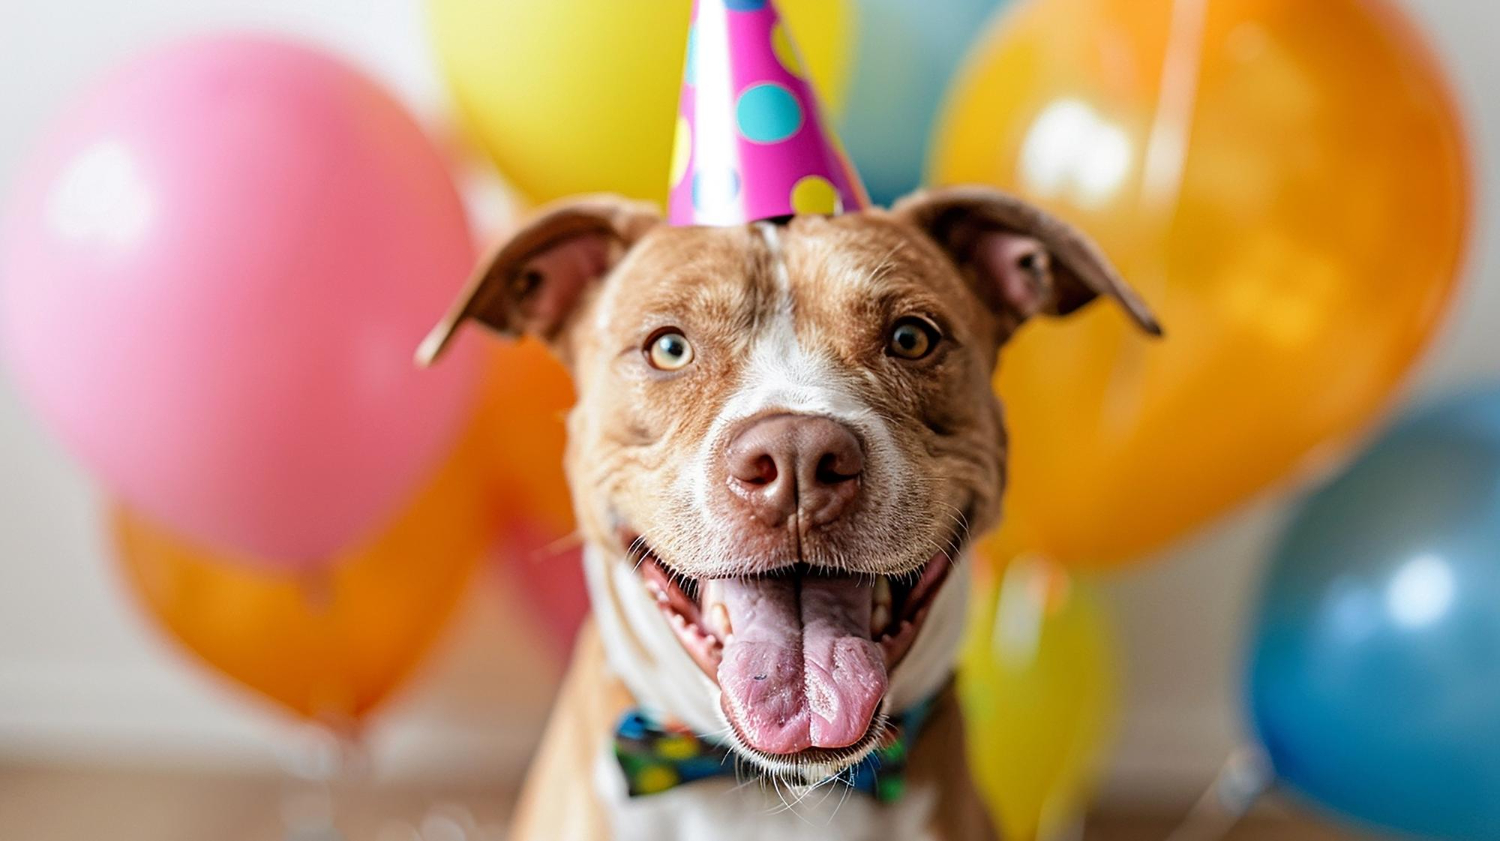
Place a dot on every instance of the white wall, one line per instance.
(83, 677)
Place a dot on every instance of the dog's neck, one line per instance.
(644, 653)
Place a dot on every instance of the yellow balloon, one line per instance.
(329, 645)
(580, 96)
(1039, 689)
(1284, 181)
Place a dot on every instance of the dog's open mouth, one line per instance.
(802, 655)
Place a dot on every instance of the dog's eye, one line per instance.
(912, 338)
(669, 350)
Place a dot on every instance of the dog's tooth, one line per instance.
(880, 611)
(713, 592)
(718, 620)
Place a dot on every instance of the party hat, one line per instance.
(751, 142)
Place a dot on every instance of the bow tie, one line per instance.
(657, 756)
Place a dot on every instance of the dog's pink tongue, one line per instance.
(799, 669)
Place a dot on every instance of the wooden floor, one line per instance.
(70, 805)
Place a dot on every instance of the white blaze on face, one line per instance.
(782, 374)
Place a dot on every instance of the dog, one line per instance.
(785, 438)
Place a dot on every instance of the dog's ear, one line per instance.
(1022, 260)
(532, 282)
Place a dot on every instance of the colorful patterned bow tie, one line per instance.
(657, 757)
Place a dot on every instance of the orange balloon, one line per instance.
(526, 400)
(1284, 181)
(330, 645)
(522, 417)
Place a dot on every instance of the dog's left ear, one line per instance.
(533, 283)
(1022, 260)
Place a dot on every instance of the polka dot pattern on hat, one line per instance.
(750, 139)
(768, 113)
(682, 147)
(690, 65)
(786, 51)
(715, 189)
(816, 194)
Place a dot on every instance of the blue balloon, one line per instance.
(1374, 673)
(906, 53)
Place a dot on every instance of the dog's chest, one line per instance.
(725, 811)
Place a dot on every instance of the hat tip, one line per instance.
(751, 142)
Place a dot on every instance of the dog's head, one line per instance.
(785, 434)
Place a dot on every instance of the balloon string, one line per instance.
(1171, 125)
(1165, 161)
(331, 703)
(318, 762)
(1240, 784)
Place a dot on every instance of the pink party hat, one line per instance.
(751, 143)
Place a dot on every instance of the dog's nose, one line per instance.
(784, 464)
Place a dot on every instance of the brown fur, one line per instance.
(634, 426)
(598, 278)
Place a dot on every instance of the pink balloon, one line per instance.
(217, 270)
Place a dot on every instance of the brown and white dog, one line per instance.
(785, 436)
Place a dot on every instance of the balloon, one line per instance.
(1285, 182)
(1039, 687)
(327, 644)
(580, 96)
(527, 395)
(905, 55)
(524, 404)
(548, 569)
(1374, 677)
(217, 269)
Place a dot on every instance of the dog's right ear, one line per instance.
(532, 283)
